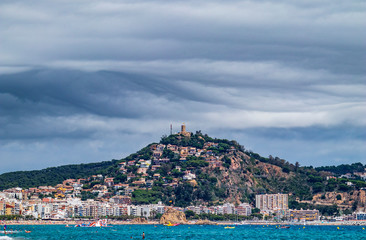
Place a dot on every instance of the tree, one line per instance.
(165, 169)
(343, 187)
(189, 213)
(339, 197)
(256, 210)
(297, 165)
(167, 153)
(227, 161)
(354, 205)
(317, 187)
(121, 178)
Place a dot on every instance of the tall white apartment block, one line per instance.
(271, 201)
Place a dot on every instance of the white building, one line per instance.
(229, 208)
(244, 209)
(271, 201)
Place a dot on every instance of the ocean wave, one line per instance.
(5, 238)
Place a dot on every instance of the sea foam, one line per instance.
(5, 238)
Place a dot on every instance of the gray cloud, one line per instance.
(111, 76)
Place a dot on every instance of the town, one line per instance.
(16, 202)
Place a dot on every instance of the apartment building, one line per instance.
(271, 202)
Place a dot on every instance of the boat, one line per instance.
(285, 227)
(228, 227)
(171, 224)
(10, 231)
(99, 223)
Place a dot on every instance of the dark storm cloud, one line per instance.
(104, 93)
(274, 75)
(231, 30)
(316, 134)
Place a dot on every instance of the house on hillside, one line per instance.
(122, 164)
(172, 147)
(161, 161)
(122, 170)
(119, 186)
(155, 167)
(130, 175)
(160, 147)
(362, 175)
(149, 183)
(189, 176)
(347, 175)
(157, 154)
(141, 170)
(145, 164)
(183, 151)
(141, 181)
(109, 182)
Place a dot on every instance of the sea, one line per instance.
(159, 232)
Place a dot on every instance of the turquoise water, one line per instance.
(49, 232)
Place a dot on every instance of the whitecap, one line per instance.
(5, 238)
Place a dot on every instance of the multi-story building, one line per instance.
(121, 200)
(271, 202)
(229, 208)
(308, 215)
(2, 207)
(244, 209)
(360, 216)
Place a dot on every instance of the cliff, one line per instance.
(173, 216)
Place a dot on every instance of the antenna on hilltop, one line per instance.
(171, 129)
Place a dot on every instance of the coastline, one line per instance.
(71, 223)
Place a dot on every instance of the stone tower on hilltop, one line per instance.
(184, 132)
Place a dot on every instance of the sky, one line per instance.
(88, 81)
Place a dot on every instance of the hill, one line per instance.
(186, 168)
(53, 175)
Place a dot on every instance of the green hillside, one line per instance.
(343, 168)
(54, 175)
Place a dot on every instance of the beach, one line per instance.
(156, 222)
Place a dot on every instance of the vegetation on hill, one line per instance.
(343, 168)
(54, 175)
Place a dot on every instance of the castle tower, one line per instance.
(184, 132)
(183, 129)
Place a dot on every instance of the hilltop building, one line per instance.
(184, 132)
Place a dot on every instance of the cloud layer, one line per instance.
(89, 81)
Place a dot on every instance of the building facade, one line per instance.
(271, 202)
